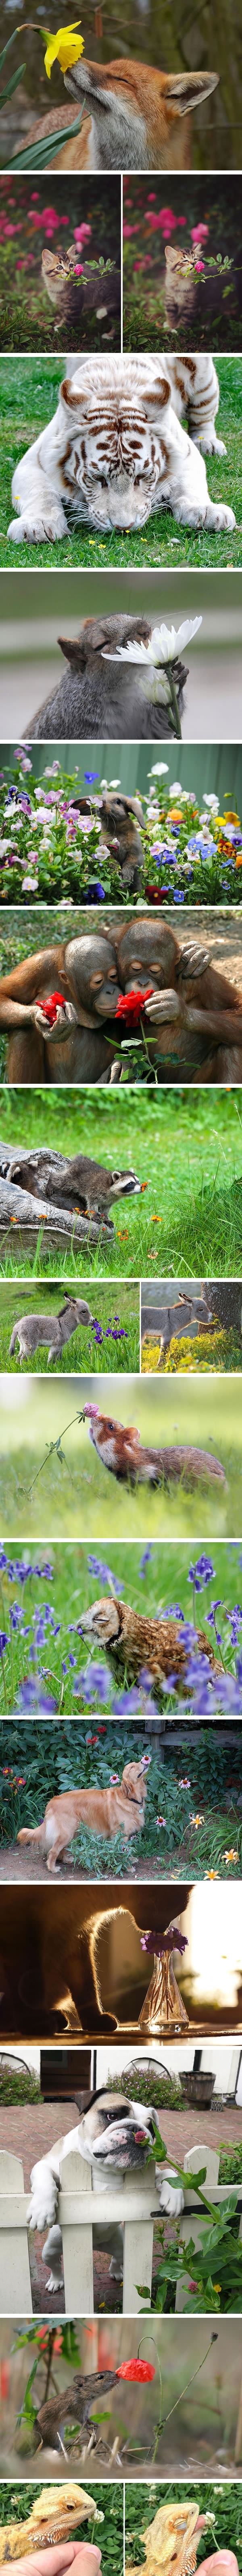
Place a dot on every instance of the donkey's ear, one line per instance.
(187, 89)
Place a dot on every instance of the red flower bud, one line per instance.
(136, 2370)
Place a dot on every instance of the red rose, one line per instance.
(131, 1005)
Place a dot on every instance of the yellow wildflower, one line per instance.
(217, 2285)
(211, 1873)
(231, 1855)
(64, 47)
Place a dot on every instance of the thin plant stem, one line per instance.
(160, 2428)
(174, 704)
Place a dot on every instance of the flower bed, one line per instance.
(48, 849)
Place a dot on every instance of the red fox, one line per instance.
(136, 118)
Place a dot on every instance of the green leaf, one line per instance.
(12, 84)
(38, 155)
(17, 31)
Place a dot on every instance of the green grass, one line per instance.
(81, 1352)
(186, 1145)
(28, 400)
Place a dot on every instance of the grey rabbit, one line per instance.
(57, 1329)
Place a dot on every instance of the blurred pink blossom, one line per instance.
(199, 232)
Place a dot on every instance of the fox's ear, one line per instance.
(187, 89)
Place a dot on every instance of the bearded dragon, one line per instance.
(55, 2514)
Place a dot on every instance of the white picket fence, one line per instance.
(136, 2204)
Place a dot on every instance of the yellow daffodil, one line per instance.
(64, 48)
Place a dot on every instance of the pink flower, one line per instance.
(78, 270)
(199, 232)
(128, 229)
(82, 232)
(181, 219)
(200, 267)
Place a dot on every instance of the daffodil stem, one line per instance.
(174, 704)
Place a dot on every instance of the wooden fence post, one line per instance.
(15, 2283)
(76, 2181)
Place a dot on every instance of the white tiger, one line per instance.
(116, 450)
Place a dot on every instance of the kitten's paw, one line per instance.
(37, 531)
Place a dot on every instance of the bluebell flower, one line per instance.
(4, 1641)
(144, 1561)
(93, 1682)
(90, 775)
(33, 1699)
(97, 1565)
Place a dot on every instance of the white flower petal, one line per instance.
(163, 646)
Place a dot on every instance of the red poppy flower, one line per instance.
(131, 1004)
(50, 1008)
(136, 2370)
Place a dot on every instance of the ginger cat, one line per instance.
(120, 1808)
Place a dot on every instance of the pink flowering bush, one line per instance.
(47, 218)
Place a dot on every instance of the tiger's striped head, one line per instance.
(117, 439)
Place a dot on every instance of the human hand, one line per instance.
(56, 2561)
